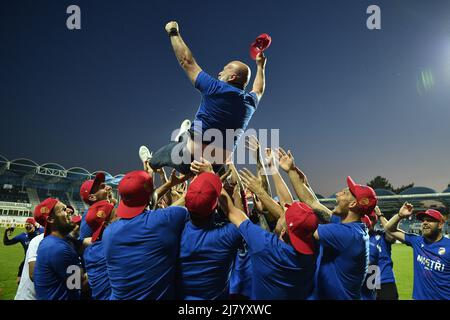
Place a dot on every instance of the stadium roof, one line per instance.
(23, 168)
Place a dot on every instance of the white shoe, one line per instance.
(145, 154)
(185, 126)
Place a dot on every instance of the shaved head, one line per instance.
(236, 73)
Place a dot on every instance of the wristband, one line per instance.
(173, 32)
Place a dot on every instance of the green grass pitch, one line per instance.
(11, 257)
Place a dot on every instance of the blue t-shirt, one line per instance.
(206, 259)
(141, 254)
(223, 106)
(384, 258)
(54, 256)
(344, 260)
(241, 274)
(95, 264)
(85, 230)
(431, 268)
(25, 238)
(366, 292)
(279, 272)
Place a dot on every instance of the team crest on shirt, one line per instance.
(441, 251)
(377, 237)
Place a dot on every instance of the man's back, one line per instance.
(343, 261)
(206, 258)
(95, 264)
(278, 271)
(141, 254)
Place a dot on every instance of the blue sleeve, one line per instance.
(19, 238)
(64, 257)
(334, 236)
(206, 84)
(411, 239)
(255, 99)
(254, 236)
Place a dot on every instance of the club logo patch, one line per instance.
(101, 214)
(364, 201)
(45, 210)
(441, 251)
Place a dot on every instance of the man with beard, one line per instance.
(55, 255)
(431, 253)
(31, 231)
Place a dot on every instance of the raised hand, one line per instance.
(251, 182)
(261, 60)
(203, 165)
(252, 144)
(286, 160)
(406, 210)
(172, 26)
(175, 180)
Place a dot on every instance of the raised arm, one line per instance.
(392, 226)
(259, 84)
(255, 186)
(301, 186)
(252, 144)
(281, 188)
(182, 52)
(383, 222)
(7, 241)
(235, 215)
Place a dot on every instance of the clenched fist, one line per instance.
(172, 26)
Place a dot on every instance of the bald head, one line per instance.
(236, 73)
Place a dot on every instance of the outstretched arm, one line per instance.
(259, 84)
(6, 240)
(392, 226)
(384, 222)
(182, 52)
(301, 186)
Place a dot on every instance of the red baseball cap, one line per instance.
(301, 223)
(89, 185)
(97, 216)
(366, 220)
(436, 215)
(42, 211)
(261, 43)
(76, 219)
(365, 196)
(31, 221)
(203, 194)
(135, 190)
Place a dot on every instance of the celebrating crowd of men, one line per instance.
(218, 233)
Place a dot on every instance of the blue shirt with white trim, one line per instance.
(431, 268)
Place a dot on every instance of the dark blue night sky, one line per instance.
(347, 100)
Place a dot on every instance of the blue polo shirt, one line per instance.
(241, 274)
(206, 258)
(95, 264)
(54, 256)
(384, 258)
(223, 106)
(278, 271)
(431, 268)
(141, 254)
(344, 260)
